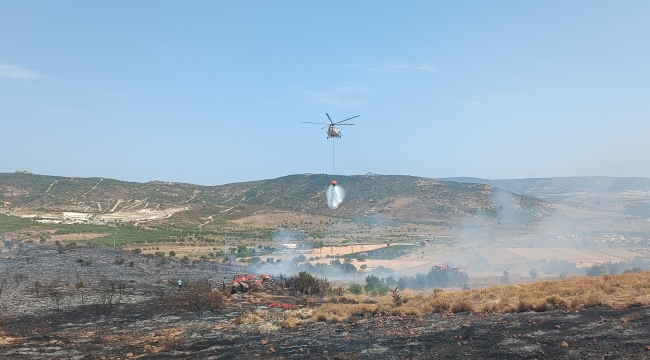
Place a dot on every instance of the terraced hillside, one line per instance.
(399, 197)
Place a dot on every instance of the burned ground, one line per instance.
(128, 312)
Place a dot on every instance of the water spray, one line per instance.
(335, 195)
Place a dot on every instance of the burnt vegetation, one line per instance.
(104, 307)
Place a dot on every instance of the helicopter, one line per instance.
(332, 130)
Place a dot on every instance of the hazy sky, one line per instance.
(214, 92)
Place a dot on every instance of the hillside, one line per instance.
(624, 195)
(563, 185)
(398, 197)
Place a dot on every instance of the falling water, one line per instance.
(335, 196)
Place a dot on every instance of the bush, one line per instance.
(119, 260)
(172, 253)
(84, 261)
(198, 297)
(306, 283)
(505, 277)
(137, 251)
(376, 286)
(356, 289)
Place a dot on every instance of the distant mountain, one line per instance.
(563, 185)
(391, 196)
(623, 195)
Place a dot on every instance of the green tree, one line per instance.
(356, 289)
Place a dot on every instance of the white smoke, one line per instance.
(335, 196)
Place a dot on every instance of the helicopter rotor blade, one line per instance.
(345, 124)
(328, 116)
(347, 119)
(309, 122)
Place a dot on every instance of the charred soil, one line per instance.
(108, 308)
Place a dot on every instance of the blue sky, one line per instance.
(215, 92)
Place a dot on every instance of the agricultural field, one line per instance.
(582, 257)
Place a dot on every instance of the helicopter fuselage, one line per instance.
(333, 132)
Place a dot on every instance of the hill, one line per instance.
(397, 197)
(542, 187)
(624, 195)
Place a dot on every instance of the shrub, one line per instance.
(119, 260)
(84, 261)
(198, 297)
(398, 300)
(339, 290)
(306, 283)
(505, 277)
(356, 289)
(376, 286)
(290, 322)
(172, 253)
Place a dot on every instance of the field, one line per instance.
(582, 257)
(344, 250)
(90, 302)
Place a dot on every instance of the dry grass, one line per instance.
(247, 318)
(290, 322)
(352, 299)
(6, 340)
(616, 291)
(271, 320)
